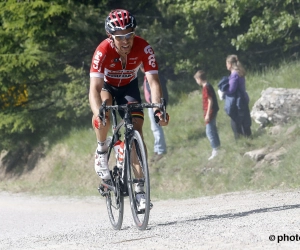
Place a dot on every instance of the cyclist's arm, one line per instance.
(96, 84)
(156, 94)
(155, 88)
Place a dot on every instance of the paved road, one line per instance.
(230, 221)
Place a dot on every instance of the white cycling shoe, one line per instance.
(101, 165)
(140, 201)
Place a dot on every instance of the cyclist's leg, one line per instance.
(138, 157)
(138, 125)
(124, 95)
(139, 188)
(101, 161)
(102, 132)
(133, 95)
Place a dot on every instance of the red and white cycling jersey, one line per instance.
(106, 62)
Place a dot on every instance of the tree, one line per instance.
(47, 46)
(187, 36)
(258, 31)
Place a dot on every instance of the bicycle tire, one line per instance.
(136, 148)
(115, 205)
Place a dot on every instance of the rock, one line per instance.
(275, 156)
(276, 106)
(275, 130)
(291, 129)
(257, 154)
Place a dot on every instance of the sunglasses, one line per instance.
(122, 37)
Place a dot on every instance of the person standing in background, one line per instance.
(160, 147)
(237, 99)
(210, 111)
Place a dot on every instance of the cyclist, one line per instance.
(113, 74)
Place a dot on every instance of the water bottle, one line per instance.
(119, 151)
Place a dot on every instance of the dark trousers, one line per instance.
(239, 127)
(241, 124)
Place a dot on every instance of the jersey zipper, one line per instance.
(122, 69)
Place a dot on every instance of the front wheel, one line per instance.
(115, 205)
(138, 181)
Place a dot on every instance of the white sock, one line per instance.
(102, 146)
(139, 188)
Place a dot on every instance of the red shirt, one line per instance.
(208, 91)
(107, 64)
(205, 95)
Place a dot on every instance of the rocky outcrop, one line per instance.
(267, 155)
(275, 153)
(276, 106)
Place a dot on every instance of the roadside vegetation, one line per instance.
(46, 142)
(65, 166)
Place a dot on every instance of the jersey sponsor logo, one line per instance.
(97, 60)
(151, 57)
(151, 60)
(112, 65)
(121, 76)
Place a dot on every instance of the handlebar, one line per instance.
(129, 106)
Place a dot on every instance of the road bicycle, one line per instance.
(135, 167)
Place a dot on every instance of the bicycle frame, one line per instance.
(127, 120)
(127, 123)
(126, 179)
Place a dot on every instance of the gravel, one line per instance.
(243, 220)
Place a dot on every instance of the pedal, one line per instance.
(102, 191)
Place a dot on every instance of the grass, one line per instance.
(185, 172)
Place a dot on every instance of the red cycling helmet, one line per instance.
(119, 20)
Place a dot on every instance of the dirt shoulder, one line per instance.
(230, 221)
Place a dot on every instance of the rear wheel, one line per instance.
(115, 204)
(138, 174)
